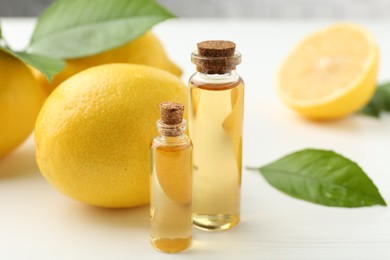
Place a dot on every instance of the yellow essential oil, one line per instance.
(171, 182)
(216, 123)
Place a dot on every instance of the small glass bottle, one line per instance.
(216, 123)
(171, 182)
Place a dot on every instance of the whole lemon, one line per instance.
(146, 50)
(93, 133)
(20, 101)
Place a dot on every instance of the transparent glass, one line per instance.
(171, 189)
(216, 124)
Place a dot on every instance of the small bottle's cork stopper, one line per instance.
(217, 57)
(171, 113)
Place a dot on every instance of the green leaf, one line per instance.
(48, 66)
(380, 101)
(322, 177)
(77, 28)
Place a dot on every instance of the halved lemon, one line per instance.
(330, 73)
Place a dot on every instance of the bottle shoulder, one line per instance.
(182, 142)
(216, 85)
(215, 82)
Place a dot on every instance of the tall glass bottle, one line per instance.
(216, 123)
(171, 182)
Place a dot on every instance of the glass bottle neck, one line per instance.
(171, 130)
(230, 73)
(214, 65)
(171, 134)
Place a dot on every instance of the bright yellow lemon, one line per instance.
(94, 131)
(20, 101)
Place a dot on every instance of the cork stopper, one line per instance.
(216, 57)
(216, 48)
(171, 113)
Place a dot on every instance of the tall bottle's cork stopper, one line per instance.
(216, 57)
(216, 48)
(171, 113)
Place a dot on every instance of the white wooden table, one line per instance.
(37, 222)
